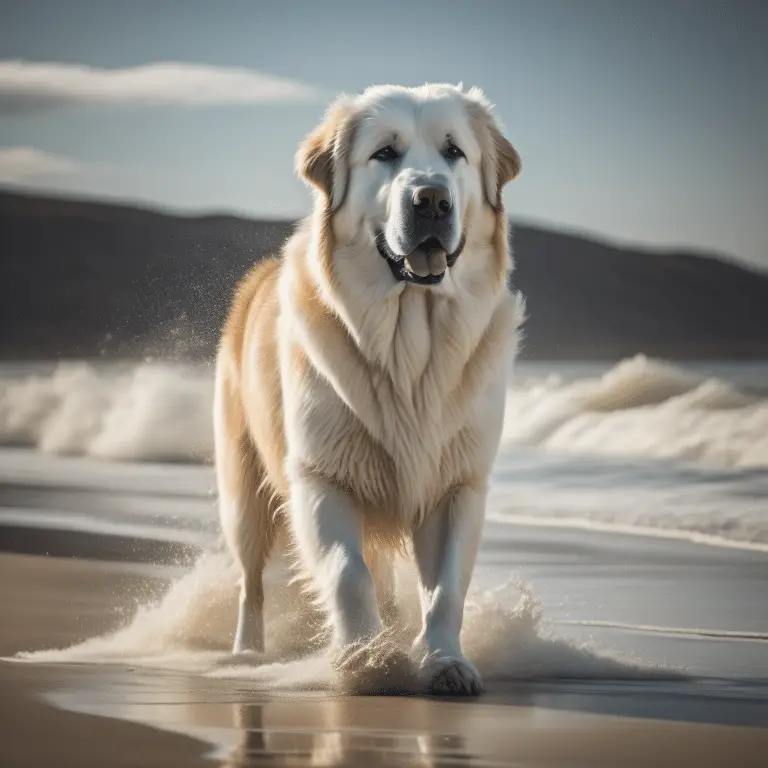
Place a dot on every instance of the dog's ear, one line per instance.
(323, 157)
(507, 165)
(500, 161)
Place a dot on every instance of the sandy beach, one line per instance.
(82, 715)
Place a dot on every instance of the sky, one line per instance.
(640, 122)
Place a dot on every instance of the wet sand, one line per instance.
(81, 715)
(55, 602)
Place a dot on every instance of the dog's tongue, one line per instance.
(424, 263)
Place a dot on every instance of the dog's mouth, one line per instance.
(424, 265)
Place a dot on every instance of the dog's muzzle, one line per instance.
(425, 265)
(427, 224)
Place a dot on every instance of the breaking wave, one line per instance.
(642, 408)
(143, 412)
(162, 412)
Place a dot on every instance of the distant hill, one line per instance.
(81, 279)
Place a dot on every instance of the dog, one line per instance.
(360, 378)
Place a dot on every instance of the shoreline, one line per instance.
(625, 529)
(94, 714)
(576, 677)
(91, 715)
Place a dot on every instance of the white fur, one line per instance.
(392, 424)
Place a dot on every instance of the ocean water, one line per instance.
(655, 451)
(643, 445)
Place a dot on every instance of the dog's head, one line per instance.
(415, 173)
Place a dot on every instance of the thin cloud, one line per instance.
(19, 165)
(30, 86)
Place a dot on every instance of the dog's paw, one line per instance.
(375, 667)
(451, 676)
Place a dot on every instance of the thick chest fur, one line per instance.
(418, 460)
(404, 413)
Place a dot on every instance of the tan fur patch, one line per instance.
(501, 163)
(323, 157)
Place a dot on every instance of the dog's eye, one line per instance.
(452, 152)
(385, 154)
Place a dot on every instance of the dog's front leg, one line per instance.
(445, 547)
(329, 534)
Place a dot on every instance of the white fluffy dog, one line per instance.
(360, 380)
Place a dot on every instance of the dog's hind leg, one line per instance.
(251, 537)
(382, 569)
(246, 509)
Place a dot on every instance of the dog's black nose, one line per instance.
(433, 202)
